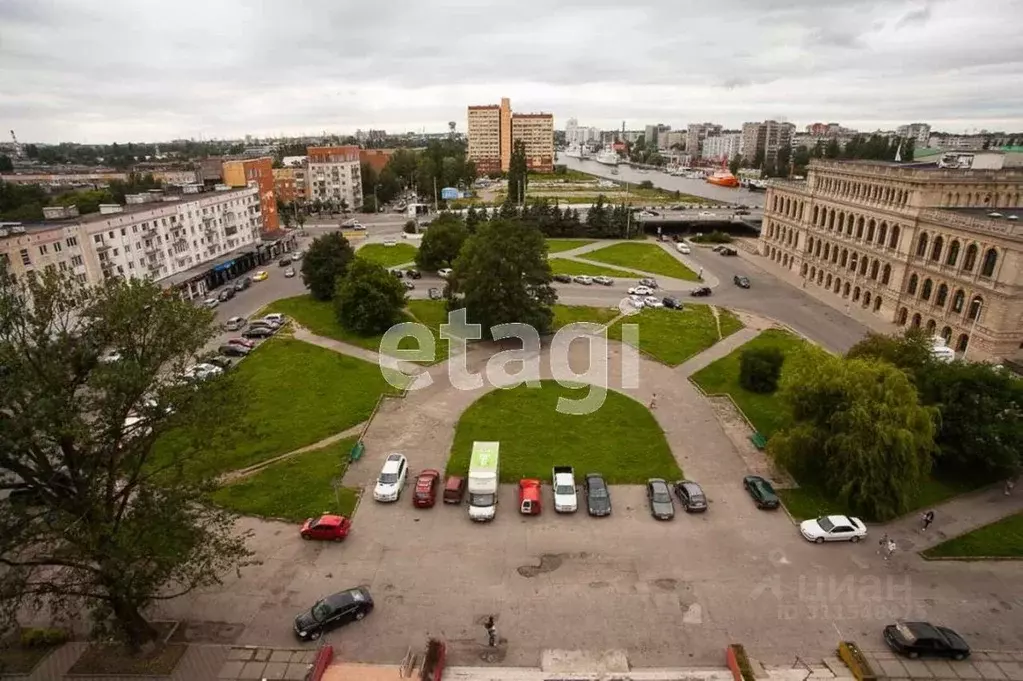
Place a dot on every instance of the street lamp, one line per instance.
(973, 327)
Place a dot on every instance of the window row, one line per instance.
(946, 333)
(787, 206)
(980, 200)
(844, 288)
(857, 226)
(851, 260)
(927, 289)
(863, 191)
(935, 251)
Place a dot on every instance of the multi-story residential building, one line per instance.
(766, 138)
(335, 176)
(723, 147)
(290, 184)
(652, 133)
(752, 140)
(917, 245)
(239, 173)
(696, 133)
(190, 242)
(375, 158)
(918, 132)
(493, 130)
(672, 138)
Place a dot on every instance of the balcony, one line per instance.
(102, 246)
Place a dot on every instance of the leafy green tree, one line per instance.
(410, 227)
(504, 276)
(6, 164)
(646, 184)
(800, 160)
(369, 298)
(326, 260)
(735, 164)
(760, 369)
(858, 431)
(441, 243)
(472, 219)
(833, 150)
(86, 200)
(112, 519)
(518, 173)
(20, 202)
(598, 221)
(910, 351)
(758, 158)
(369, 205)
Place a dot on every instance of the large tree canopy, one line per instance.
(858, 431)
(369, 299)
(442, 242)
(324, 263)
(89, 382)
(504, 276)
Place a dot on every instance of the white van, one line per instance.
(484, 476)
(940, 351)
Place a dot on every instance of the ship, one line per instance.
(608, 157)
(723, 178)
(757, 186)
(574, 151)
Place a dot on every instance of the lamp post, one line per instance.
(973, 327)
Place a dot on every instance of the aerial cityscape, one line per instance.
(449, 348)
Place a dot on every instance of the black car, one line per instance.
(242, 284)
(284, 262)
(701, 292)
(741, 282)
(563, 278)
(658, 495)
(413, 274)
(598, 496)
(398, 273)
(258, 332)
(691, 496)
(761, 491)
(230, 350)
(672, 302)
(728, 251)
(914, 639)
(332, 612)
(226, 294)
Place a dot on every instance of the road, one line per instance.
(665, 181)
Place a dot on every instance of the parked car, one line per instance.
(290, 272)
(761, 491)
(201, 372)
(276, 317)
(242, 283)
(741, 282)
(701, 291)
(226, 294)
(413, 274)
(284, 262)
(728, 251)
(392, 478)
(914, 639)
(672, 302)
(358, 226)
(683, 248)
(243, 342)
(833, 528)
(653, 301)
(258, 331)
(435, 294)
(235, 324)
(425, 493)
(691, 496)
(219, 361)
(637, 301)
(598, 496)
(326, 527)
(211, 303)
(231, 350)
(408, 285)
(444, 272)
(454, 489)
(563, 278)
(332, 612)
(398, 273)
(648, 282)
(603, 281)
(261, 275)
(659, 496)
(640, 291)
(583, 279)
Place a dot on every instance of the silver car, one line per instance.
(659, 495)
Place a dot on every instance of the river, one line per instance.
(666, 181)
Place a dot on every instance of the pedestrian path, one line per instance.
(717, 351)
(304, 334)
(232, 476)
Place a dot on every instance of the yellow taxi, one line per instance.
(260, 275)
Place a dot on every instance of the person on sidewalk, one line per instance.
(1009, 484)
(653, 401)
(882, 544)
(928, 518)
(889, 549)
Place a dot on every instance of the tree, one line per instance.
(505, 277)
(910, 351)
(441, 243)
(800, 160)
(368, 299)
(758, 158)
(115, 522)
(857, 431)
(327, 260)
(369, 205)
(410, 227)
(735, 164)
(760, 369)
(833, 150)
(646, 184)
(344, 205)
(518, 173)
(6, 164)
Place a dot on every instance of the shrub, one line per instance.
(43, 638)
(742, 662)
(410, 227)
(760, 369)
(714, 237)
(646, 184)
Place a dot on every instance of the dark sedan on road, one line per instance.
(701, 292)
(258, 332)
(232, 350)
(761, 491)
(740, 281)
(914, 639)
(659, 496)
(332, 612)
(691, 496)
(672, 303)
(563, 278)
(598, 497)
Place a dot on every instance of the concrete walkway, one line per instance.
(303, 334)
(232, 476)
(717, 351)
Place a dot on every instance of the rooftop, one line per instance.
(990, 213)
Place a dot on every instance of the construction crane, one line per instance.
(17, 145)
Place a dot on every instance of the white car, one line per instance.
(276, 318)
(706, 214)
(358, 227)
(653, 301)
(200, 372)
(392, 478)
(683, 248)
(110, 357)
(637, 301)
(583, 279)
(640, 291)
(444, 272)
(833, 528)
(210, 303)
(390, 242)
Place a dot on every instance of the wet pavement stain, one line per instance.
(549, 562)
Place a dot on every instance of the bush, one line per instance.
(43, 638)
(646, 184)
(410, 227)
(760, 369)
(742, 662)
(714, 237)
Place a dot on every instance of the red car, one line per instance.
(329, 527)
(244, 342)
(425, 494)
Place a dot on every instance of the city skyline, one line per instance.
(125, 71)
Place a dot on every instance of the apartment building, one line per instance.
(49, 246)
(376, 158)
(493, 130)
(335, 176)
(239, 173)
(723, 147)
(766, 138)
(290, 184)
(918, 132)
(696, 133)
(916, 245)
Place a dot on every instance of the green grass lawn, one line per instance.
(388, 256)
(722, 377)
(559, 245)
(574, 267)
(673, 336)
(621, 439)
(570, 314)
(646, 257)
(319, 317)
(728, 322)
(296, 488)
(809, 501)
(1001, 539)
(296, 394)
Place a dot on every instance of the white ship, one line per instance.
(608, 157)
(574, 151)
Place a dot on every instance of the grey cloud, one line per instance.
(914, 16)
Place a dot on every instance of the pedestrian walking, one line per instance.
(700, 275)
(653, 401)
(889, 549)
(491, 636)
(928, 518)
(1009, 484)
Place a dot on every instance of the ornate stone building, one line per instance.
(916, 245)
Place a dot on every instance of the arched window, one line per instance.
(803, 270)
(845, 257)
(834, 254)
(931, 326)
(813, 272)
(828, 281)
(942, 296)
(976, 305)
(946, 334)
(939, 243)
(886, 274)
(859, 229)
(913, 281)
(921, 245)
(856, 294)
(970, 259)
(831, 219)
(820, 276)
(990, 260)
(877, 303)
(893, 242)
(916, 320)
(870, 231)
(953, 253)
(827, 251)
(882, 233)
(838, 284)
(903, 315)
(925, 290)
(817, 248)
(875, 268)
(958, 300)
(866, 298)
(963, 341)
(863, 266)
(816, 215)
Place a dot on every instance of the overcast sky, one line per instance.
(141, 70)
